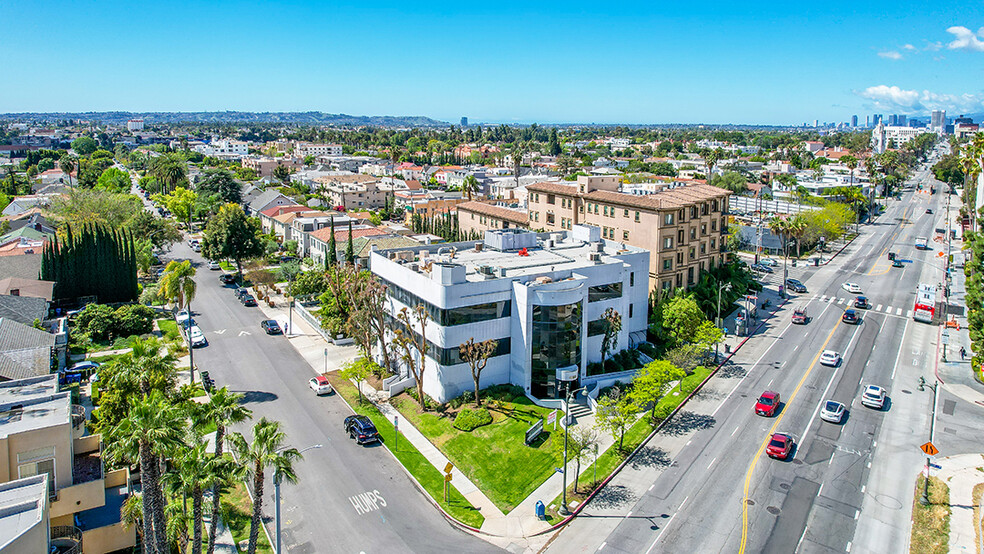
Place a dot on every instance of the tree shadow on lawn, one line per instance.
(687, 421)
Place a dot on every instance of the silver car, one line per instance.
(832, 411)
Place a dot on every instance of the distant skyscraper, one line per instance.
(816, 122)
(901, 120)
(464, 121)
(854, 121)
(867, 121)
(892, 119)
(937, 120)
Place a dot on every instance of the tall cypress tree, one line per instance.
(331, 259)
(349, 248)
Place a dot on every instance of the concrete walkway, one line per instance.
(961, 473)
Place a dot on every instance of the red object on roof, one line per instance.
(523, 252)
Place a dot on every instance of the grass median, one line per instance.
(423, 471)
(931, 523)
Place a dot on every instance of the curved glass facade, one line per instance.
(556, 344)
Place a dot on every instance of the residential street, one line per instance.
(319, 513)
(846, 487)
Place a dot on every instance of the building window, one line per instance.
(703, 228)
(679, 258)
(680, 236)
(580, 209)
(703, 248)
(630, 310)
(550, 199)
(713, 243)
(632, 279)
(667, 243)
(550, 218)
(597, 327)
(690, 275)
(625, 235)
(693, 253)
(626, 213)
(668, 219)
(715, 205)
(667, 285)
(714, 225)
(693, 233)
(703, 209)
(556, 343)
(667, 264)
(637, 217)
(473, 217)
(596, 209)
(604, 292)
(605, 210)
(693, 212)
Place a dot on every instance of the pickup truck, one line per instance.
(922, 243)
(799, 316)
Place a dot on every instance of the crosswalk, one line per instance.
(849, 302)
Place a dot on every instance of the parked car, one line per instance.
(214, 265)
(196, 337)
(795, 285)
(241, 292)
(271, 327)
(761, 268)
(874, 397)
(767, 404)
(851, 316)
(780, 446)
(830, 358)
(861, 302)
(183, 317)
(360, 428)
(248, 300)
(799, 316)
(320, 385)
(929, 210)
(227, 278)
(852, 288)
(833, 411)
(769, 262)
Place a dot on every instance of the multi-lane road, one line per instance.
(848, 486)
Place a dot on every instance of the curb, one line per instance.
(846, 244)
(662, 424)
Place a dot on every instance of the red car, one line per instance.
(799, 317)
(767, 404)
(780, 446)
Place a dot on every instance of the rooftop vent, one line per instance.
(594, 257)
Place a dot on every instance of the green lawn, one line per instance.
(227, 266)
(426, 474)
(237, 511)
(495, 457)
(169, 328)
(931, 523)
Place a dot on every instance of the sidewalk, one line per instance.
(961, 473)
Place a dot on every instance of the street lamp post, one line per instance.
(567, 424)
(276, 490)
(726, 286)
(924, 500)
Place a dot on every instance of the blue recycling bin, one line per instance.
(541, 510)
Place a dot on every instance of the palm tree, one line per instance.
(169, 171)
(469, 186)
(266, 450)
(196, 472)
(780, 226)
(153, 427)
(145, 365)
(797, 229)
(223, 409)
(870, 168)
(67, 165)
(177, 285)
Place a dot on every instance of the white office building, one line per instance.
(540, 295)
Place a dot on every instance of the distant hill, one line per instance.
(301, 118)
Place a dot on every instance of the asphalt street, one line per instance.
(349, 498)
(722, 494)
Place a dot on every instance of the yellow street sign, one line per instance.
(447, 478)
(448, 468)
(929, 449)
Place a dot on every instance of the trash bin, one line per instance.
(541, 511)
(816, 262)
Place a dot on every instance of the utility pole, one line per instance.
(924, 500)
(276, 489)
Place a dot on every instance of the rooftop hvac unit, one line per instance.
(594, 257)
(599, 246)
(478, 246)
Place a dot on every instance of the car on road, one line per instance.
(767, 404)
(214, 265)
(320, 385)
(182, 318)
(874, 397)
(241, 292)
(830, 358)
(780, 446)
(799, 316)
(196, 337)
(853, 288)
(227, 278)
(851, 316)
(248, 300)
(929, 210)
(897, 263)
(769, 262)
(271, 327)
(833, 411)
(360, 428)
(795, 285)
(761, 268)
(862, 303)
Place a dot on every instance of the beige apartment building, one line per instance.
(358, 192)
(481, 217)
(264, 166)
(683, 227)
(43, 434)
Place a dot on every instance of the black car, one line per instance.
(929, 210)
(851, 316)
(241, 292)
(862, 303)
(271, 327)
(360, 428)
(227, 278)
(248, 300)
(795, 285)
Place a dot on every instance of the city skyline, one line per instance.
(551, 63)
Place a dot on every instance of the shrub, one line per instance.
(97, 320)
(133, 319)
(648, 350)
(469, 420)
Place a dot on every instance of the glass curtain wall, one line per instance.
(556, 344)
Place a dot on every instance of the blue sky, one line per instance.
(601, 62)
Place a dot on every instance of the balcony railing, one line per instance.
(66, 539)
(78, 415)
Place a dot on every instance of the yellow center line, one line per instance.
(758, 454)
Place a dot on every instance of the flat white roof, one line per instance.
(21, 506)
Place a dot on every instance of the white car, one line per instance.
(214, 265)
(320, 385)
(830, 358)
(196, 337)
(769, 261)
(182, 318)
(874, 397)
(832, 411)
(852, 288)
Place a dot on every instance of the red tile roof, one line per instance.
(498, 212)
(341, 233)
(280, 210)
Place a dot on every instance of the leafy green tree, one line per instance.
(45, 164)
(307, 283)
(230, 234)
(613, 326)
(84, 146)
(358, 371)
(682, 317)
(651, 383)
(730, 180)
(158, 231)
(266, 451)
(180, 202)
(282, 173)
(219, 182)
(349, 248)
(114, 180)
(616, 412)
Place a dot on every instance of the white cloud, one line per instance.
(965, 39)
(908, 47)
(898, 100)
(934, 46)
(892, 55)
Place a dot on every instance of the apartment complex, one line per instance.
(43, 434)
(481, 217)
(541, 296)
(264, 165)
(683, 227)
(359, 192)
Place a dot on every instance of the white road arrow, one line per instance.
(241, 333)
(220, 331)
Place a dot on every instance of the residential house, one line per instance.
(266, 216)
(321, 238)
(269, 199)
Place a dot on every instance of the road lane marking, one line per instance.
(898, 311)
(247, 333)
(820, 490)
(765, 441)
(651, 487)
(663, 530)
(602, 546)
(684, 502)
(735, 431)
(366, 502)
(823, 397)
(879, 307)
(712, 463)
